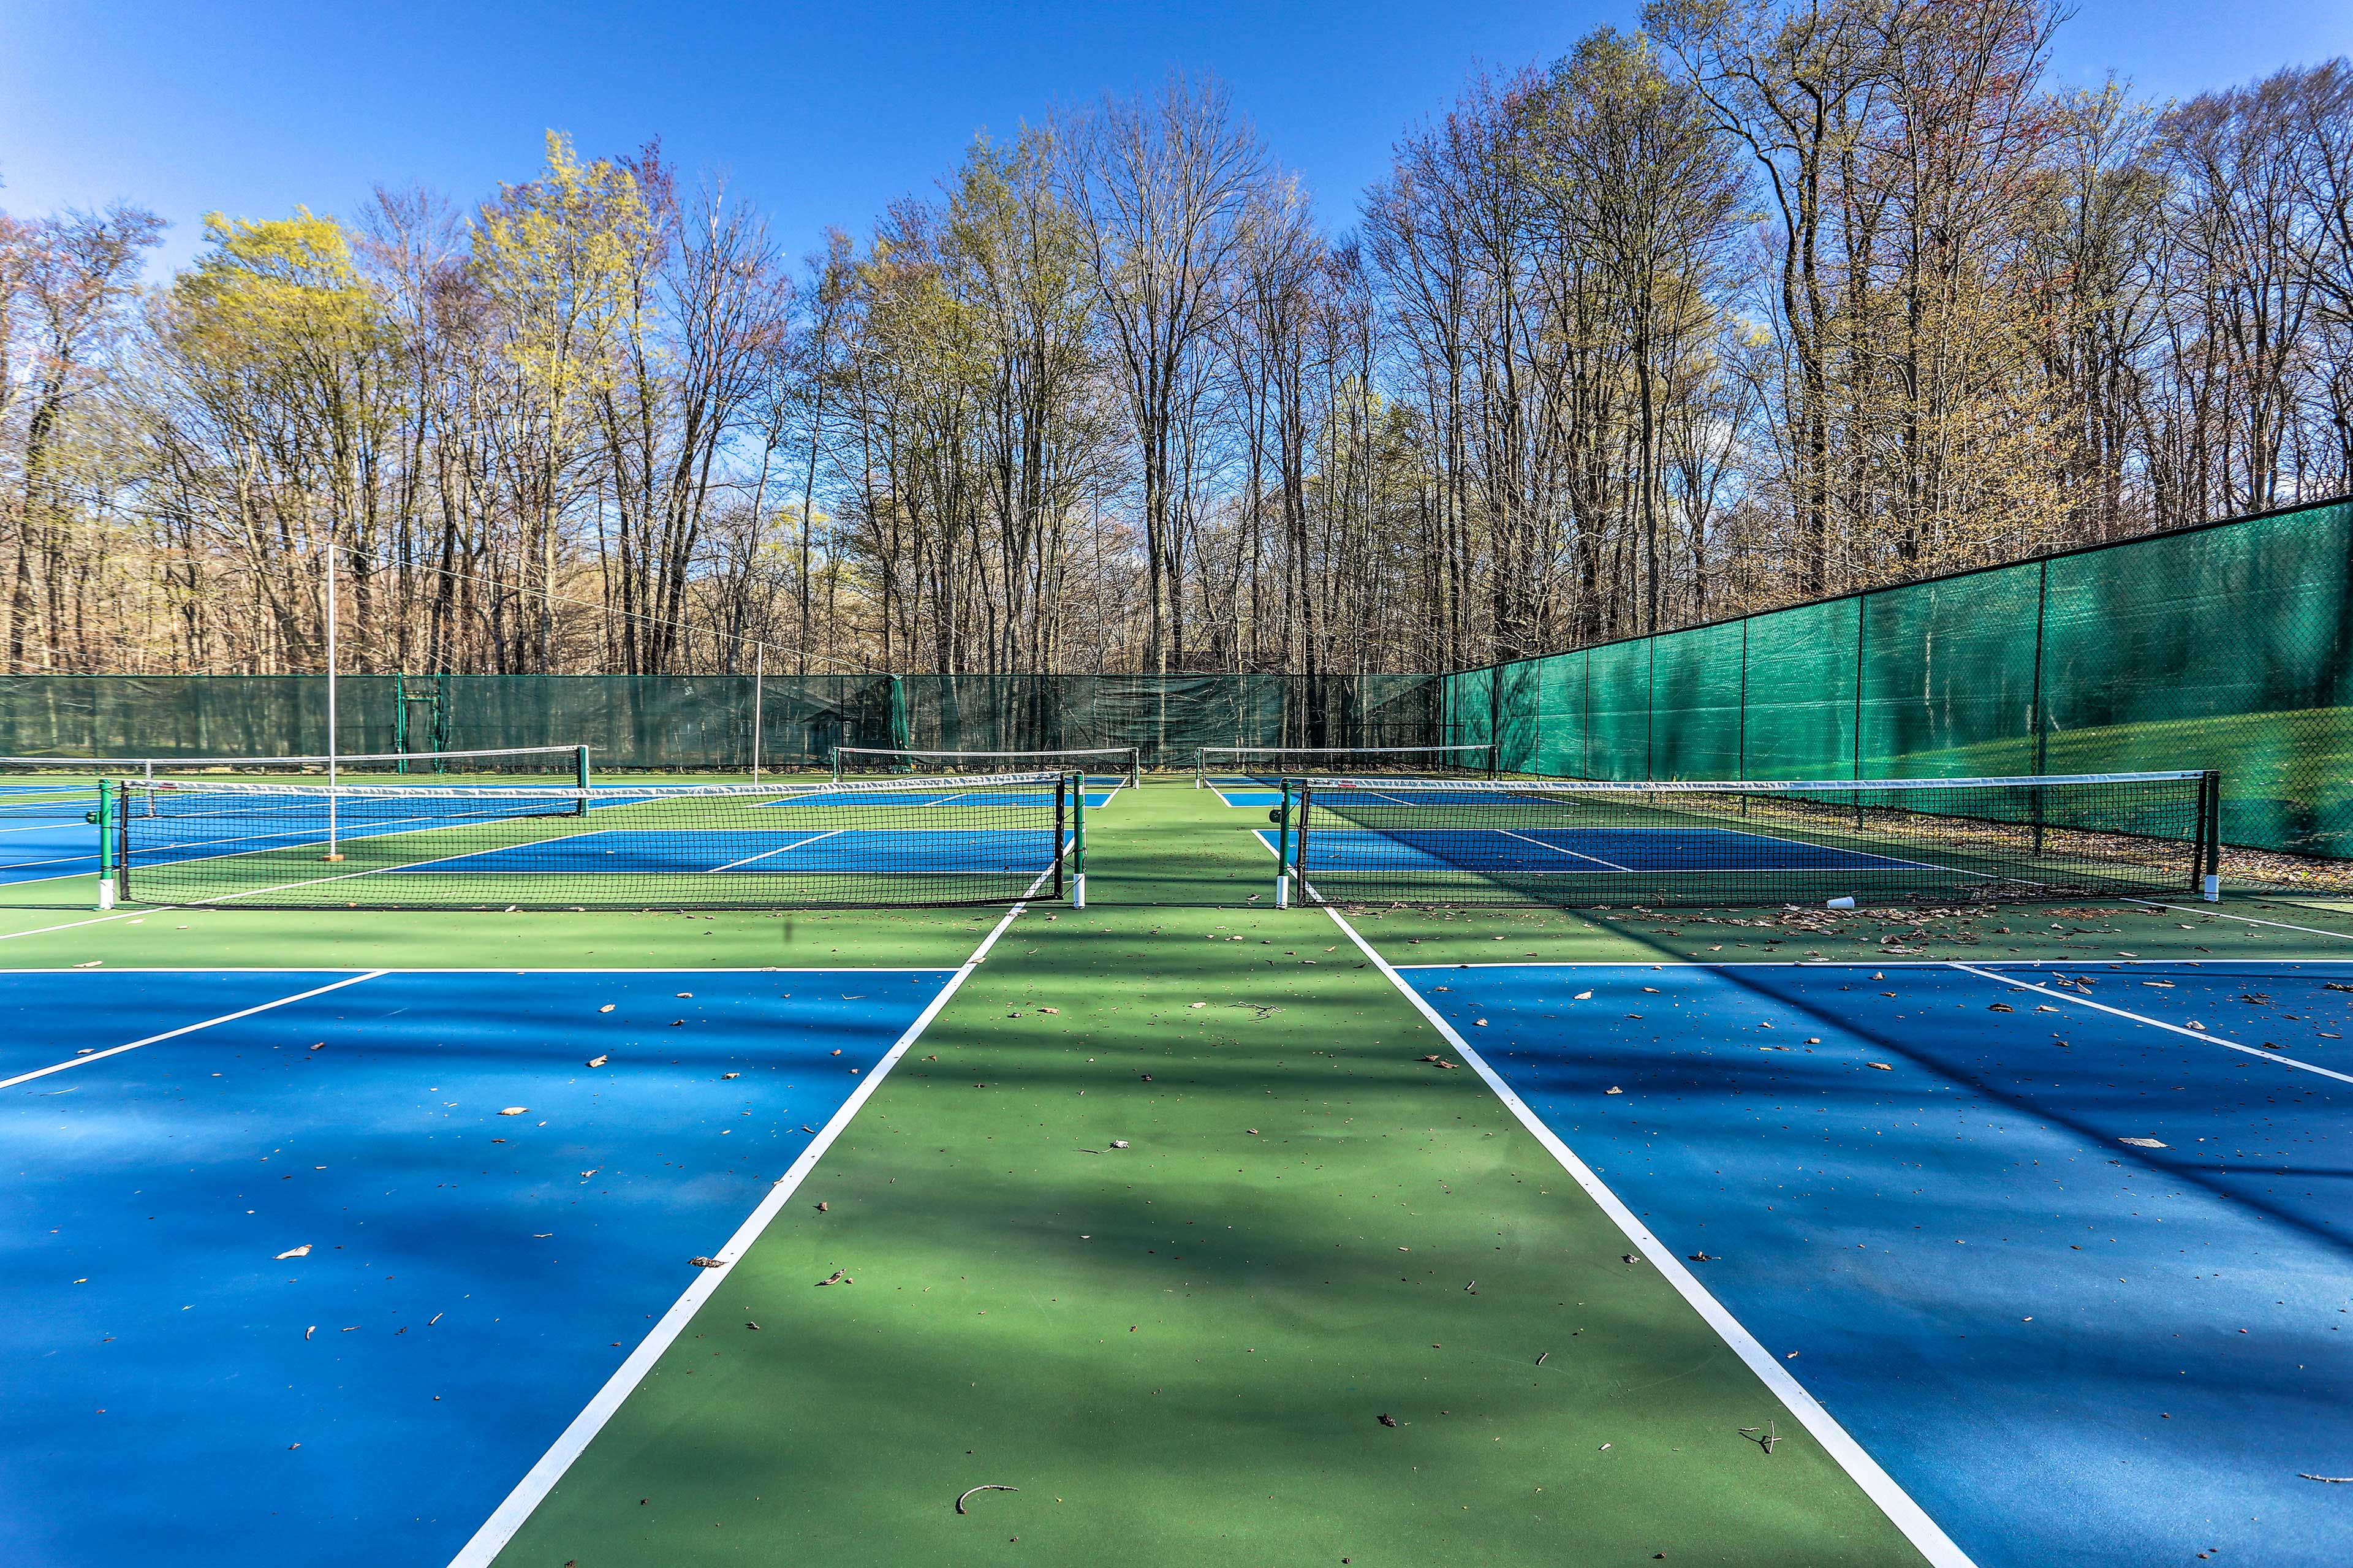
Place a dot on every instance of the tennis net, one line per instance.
(1269, 765)
(1119, 762)
(1376, 841)
(38, 785)
(780, 845)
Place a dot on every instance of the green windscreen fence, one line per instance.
(2227, 646)
(703, 722)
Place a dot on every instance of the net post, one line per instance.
(106, 842)
(1078, 841)
(837, 764)
(2209, 830)
(1299, 839)
(1282, 852)
(580, 778)
(1201, 767)
(759, 682)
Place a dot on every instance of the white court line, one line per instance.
(93, 921)
(186, 1029)
(542, 1477)
(1882, 1488)
(1574, 854)
(2210, 911)
(763, 854)
(2210, 1039)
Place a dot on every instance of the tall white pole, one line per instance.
(759, 677)
(334, 852)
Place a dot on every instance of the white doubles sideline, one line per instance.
(1882, 1489)
(542, 1479)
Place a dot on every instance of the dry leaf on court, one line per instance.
(301, 1251)
(516, 1110)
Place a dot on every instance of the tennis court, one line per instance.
(1997, 1215)
(492, 1222)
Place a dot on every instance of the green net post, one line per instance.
(580, 776)
(1079, 841)
(109, 809)
(1282, 851)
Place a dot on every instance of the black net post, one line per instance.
(2210, 832)
(1299, 840)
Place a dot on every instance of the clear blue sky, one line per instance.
(820, 113)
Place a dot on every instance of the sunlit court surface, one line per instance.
(2002, 1233)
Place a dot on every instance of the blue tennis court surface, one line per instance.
(42, 841)
(1585, 851)
(182, 1393)
(624, 851)
(1918, 1184)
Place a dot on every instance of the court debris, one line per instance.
(991, 1486)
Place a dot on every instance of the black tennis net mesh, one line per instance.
(1271, 764)
(1116, 763)
(797, 846)
(1378, 841)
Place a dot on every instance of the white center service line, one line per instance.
(2210, 1039)
(186, 1029)
(1906, 1515)
(541, 1479)
(780, 850)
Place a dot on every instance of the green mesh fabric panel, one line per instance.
(1618, 711)
(1948, 677)
(1469, 717)
(191, 716)
(1696, 722)
(1519, 718)
(704, 722)
(2225, 647)
(1560, 715)
(1801, 706)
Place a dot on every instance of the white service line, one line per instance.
(131, 913)
(185, 1029)
(2210, 1039)
(1882, 1489)
(763, 854)
(1573, 854)
(542, 1479)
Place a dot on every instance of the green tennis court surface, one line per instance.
(1167, 1219)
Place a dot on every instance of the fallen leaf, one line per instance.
(1882, 1067)
(1613, 1088)
(1584, 997)
(729, 1075)
(301, 1251)
(605, 1008)
(1119, 1143)
(1386, 1420)
(703, 1263)
(516, 1110)
(598, 1062)
(2144, 1143)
